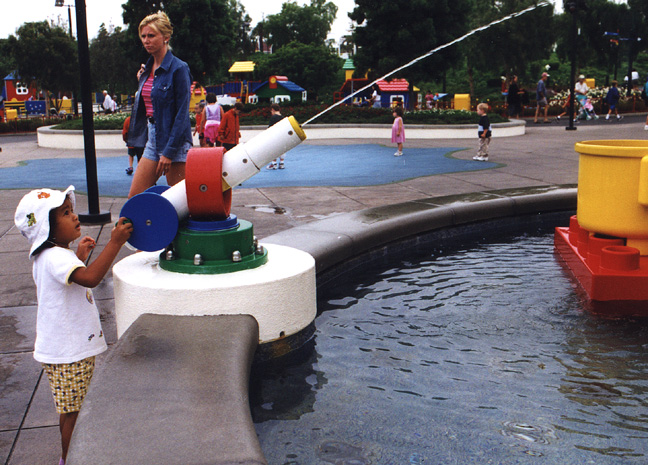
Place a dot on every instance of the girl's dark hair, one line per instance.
(398, 110)
(50, 239)
(211, 97)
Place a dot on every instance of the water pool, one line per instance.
(480, 354)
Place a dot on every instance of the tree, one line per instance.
(206, 33)
(390, 34)
(308, 24)
(593, 46)
(7, 63)
(112, 68)
(314, 67)
(47, 54)
(244, 45)
(511, 46)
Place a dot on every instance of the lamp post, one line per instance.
(573, 6)
(94, 215)
(61, 3)
(632, 41)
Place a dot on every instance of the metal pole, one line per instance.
(572, 86)
(631, 41)
(94, 215)
(70, 20)
(75, 104)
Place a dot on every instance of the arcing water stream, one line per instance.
(432, 52)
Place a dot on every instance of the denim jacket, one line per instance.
(170, 95)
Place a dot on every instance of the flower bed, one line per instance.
(342, 114)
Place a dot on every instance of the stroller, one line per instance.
(586, 110)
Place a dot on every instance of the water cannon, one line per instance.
(199, 259)
(203, 199)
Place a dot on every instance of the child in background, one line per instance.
(565, 107)
(275, 117)
(211, 120)
(198, 110)
(68, 330)
(483, 132)
(644, 96)
(132, 151)
(398, 131)
(229, 132)
(612, 99)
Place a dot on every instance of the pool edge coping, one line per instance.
(340, 238)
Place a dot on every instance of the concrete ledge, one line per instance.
(344, 237)
(112, 140)
(173, 391)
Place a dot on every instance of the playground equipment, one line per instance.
(201, 260)
(606, 244)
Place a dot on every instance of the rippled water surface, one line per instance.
(482, 354)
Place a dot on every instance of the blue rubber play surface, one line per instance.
(306, 165)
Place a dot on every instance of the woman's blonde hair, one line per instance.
(158, 21)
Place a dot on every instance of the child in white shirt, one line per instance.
(68, 330)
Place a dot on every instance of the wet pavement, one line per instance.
(327, 178)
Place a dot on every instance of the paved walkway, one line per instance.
(28, 423)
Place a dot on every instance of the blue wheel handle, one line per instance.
(126, 221)
(155, 221)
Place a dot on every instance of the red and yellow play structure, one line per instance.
(605, 246)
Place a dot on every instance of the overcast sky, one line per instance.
(109, 12)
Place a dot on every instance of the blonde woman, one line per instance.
(160, 117)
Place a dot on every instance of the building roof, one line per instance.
(288, 85)
(396, 85)
(242, 67)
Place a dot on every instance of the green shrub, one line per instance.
(342, 114)
(25, 125)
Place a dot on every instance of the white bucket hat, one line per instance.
(32, 214)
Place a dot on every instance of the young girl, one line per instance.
(68, 330)
(211, 119)
(198, 110)
(398, 131)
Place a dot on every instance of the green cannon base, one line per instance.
(216, 249)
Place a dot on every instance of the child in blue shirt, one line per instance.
(612, 99)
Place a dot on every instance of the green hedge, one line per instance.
(25, 125)
(259, 115)
(344, 114)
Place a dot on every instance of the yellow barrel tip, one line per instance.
(297, 127)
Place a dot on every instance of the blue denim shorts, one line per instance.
(151, 153)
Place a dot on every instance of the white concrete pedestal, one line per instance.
(280, 295)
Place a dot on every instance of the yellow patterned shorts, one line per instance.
(69, 383)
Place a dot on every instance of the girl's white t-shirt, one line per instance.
(67, 327)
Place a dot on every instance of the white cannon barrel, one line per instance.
(246, 160)
(155, 226)
(177, 195)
